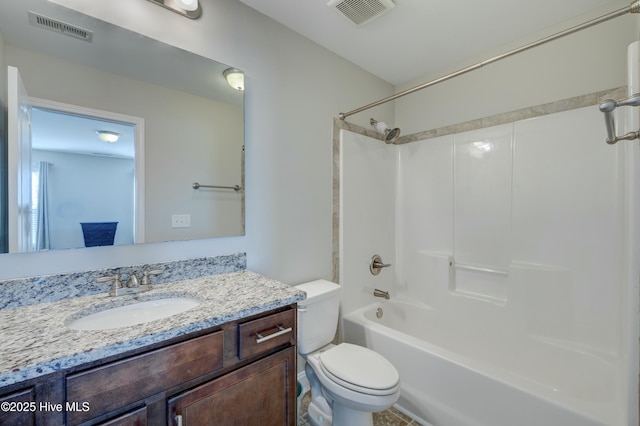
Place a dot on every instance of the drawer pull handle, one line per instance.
(179, 420)
(280, 332)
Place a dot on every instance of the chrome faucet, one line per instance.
(381, 293)
(132, 286)
(132, 282)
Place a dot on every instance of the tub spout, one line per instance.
(381, 293)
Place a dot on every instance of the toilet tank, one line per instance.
(317, 315)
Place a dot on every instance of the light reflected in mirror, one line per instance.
(179, 121)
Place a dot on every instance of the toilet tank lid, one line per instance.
(318, 290)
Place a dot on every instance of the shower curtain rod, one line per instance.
(632, 8)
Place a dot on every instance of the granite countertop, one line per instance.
(35, 340)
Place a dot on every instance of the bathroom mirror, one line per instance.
(178, 120)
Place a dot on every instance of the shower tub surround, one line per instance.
(37, 342)
(511, 283)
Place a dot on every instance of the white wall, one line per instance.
(294, 90)
(585, 62)
(367, 217)
(103, 194)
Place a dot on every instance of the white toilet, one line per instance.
(348, 382)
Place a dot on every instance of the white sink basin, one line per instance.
(135, 313)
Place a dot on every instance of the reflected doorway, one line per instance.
(81, 182)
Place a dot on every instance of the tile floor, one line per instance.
(390, 417)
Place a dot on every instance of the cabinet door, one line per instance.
(113, 386)
(133, 418)
(19, 409)
(261, 393)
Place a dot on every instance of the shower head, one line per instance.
(390, 135)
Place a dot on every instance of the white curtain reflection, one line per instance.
(41, 209)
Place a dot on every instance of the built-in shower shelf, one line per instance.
(479, 282)
(484, 269)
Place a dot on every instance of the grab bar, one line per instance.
(479, 268)
(196, 185)
(607, 106)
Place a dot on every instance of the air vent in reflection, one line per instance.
(59, 27)
(361, 12)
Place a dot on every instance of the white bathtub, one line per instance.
(456, 375)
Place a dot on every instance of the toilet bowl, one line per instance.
(348, 382)
(356, 378)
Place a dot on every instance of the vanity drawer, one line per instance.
(115, 385)
(266, 333)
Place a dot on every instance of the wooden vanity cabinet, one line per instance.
(261, 393)
(118, 384)
(34, 402)
(19, 411)
(137, 417)
(242, 373)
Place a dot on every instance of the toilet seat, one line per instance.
(359, 369)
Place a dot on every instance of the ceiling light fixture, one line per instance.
(189, 8)
(108, 136)
(235, 78)
(189, 5)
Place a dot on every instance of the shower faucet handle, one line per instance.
(376, 264)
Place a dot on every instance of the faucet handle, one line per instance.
(117, 283)
(376, 264)
(146, 280)
(132, 281)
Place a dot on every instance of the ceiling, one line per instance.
(419, 38)
(56, 131)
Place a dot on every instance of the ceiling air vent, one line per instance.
(361, 12)
(59, 27)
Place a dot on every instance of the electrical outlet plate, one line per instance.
(181, 221)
